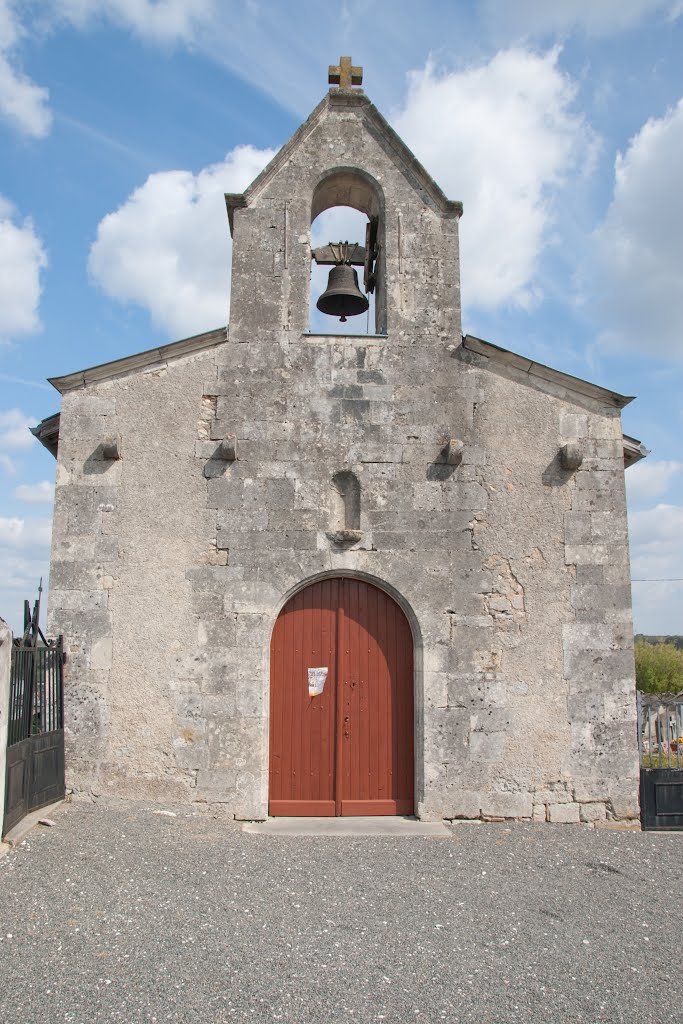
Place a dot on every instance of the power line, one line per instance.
(663, 579)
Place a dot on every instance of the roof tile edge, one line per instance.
(139, 360)
(543, 372)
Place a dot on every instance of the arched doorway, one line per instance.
(349, 749)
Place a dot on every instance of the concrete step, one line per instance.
(16, 835)
(366, 826)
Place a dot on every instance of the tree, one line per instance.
(659, 667)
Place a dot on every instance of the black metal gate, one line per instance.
(35, 727)
(660, 739)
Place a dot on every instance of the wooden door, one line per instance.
(350, 749)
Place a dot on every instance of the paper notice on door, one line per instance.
(316, 681)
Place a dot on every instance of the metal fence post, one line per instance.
(639, 705)
(5, 663)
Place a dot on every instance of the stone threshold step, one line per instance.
(366, 826)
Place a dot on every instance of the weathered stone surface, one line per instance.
(571, 456)
(169, 565)
(506, 805)
(460, 803)
(564, 813)
(593, 812)
(623, 797)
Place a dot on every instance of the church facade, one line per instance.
(305, 573)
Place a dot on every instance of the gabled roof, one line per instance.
(139, 361)
(634, 451)
(378, 126)
(47, 433)
(540, 372)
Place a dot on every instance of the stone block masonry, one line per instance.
(171, 563)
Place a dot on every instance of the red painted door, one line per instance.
(348, 750)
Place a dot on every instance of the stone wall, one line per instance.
(170, 566)
(171, 563)
(125, 532)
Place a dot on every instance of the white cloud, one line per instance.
(24, 541)
(35, 494)
(21, 534)
(338, 224)
(14, 436)
(638, 283)
(24, 556)
(168, 247)
(658, 608)
(650, 478)
(656, 556)
(14, 430)
(661, 524)
(21, 574)
(501, 137)
(656, 549)
(594, 17)
(159, 21)
(10, 28)
(22, 257)
(22, 102)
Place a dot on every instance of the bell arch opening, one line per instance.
(347, 206)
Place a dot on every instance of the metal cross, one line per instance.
(344, 75)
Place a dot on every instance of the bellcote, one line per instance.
(345, 154)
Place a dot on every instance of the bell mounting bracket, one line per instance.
(371, 255)
(335, 254)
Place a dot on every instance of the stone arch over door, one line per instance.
(350, 749)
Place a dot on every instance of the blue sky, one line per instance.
(559, 126)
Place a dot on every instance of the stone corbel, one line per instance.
(454, 452)
(111, 448)
(344, 537)
(571, 456)
(227, 449)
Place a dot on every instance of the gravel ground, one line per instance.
(123, 913)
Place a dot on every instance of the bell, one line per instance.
(343, 297)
